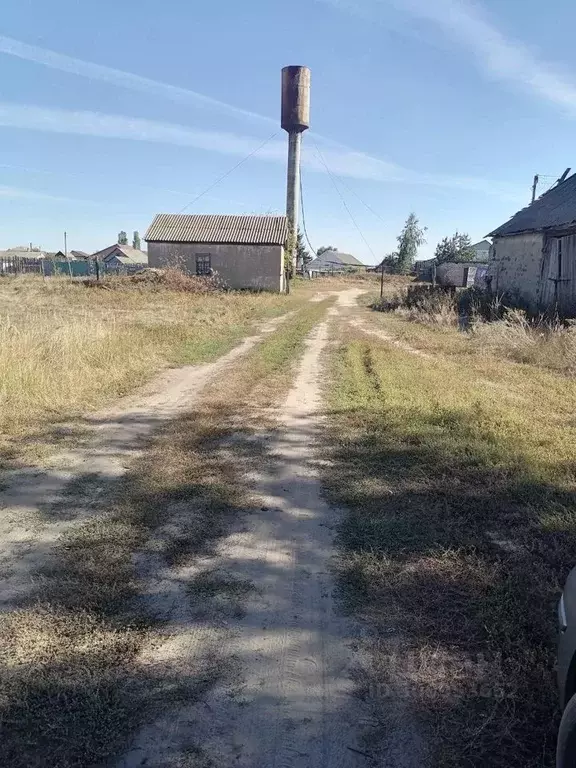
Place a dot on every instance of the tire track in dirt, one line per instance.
(37, 505)
(290, 702)
(383, 336)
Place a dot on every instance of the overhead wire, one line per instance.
(304, 218)
(341, 196)
(364, 203)
(228, 172)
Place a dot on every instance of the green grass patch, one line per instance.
(459, 481)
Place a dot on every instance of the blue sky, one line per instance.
(111, 112)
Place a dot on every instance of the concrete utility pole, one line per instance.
(534, 185)
(295, 120)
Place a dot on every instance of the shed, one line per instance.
(534, 254)
(461, 274)
(244, 251)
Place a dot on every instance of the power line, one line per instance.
(341, 196)
(304, 218)
(364, 203)
(224, 175)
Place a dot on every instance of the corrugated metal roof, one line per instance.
(246, 230)
(555, 208)
(333, 260)
(343, 258)
(126, 253)
(336, 258)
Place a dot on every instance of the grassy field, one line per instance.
(458, 474)
(74, 688)
(434, 322)
(66, 349)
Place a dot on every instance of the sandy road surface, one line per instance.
(38, 505)
(283, 658)
(290, 701)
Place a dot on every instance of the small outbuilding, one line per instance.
(244, 251)
(534, 254)
(461, 274)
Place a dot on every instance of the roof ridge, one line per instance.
(256, 229)
(554, 208)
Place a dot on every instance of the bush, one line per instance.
(169, 279)
(422, 303)
(173, 279)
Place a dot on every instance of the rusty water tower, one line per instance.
(295, 120)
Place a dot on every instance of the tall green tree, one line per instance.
(122, 238)
(409, 240)
(136, 240)
(445, 250)
(455, 249)
(464, 247)
(324, 248)
(302, 253)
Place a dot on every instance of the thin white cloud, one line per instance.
(103, 125)
(17, 193)
(341, 159)
(500, 56)
(130, 81)
(123, 79)
(341, 162)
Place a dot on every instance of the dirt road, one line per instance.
(290, 701)
(36, 504)
(255, 621)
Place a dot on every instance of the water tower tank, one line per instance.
(295, 99)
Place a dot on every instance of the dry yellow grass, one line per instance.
(458, 476)
(434, 327)
(74, 688)
(66, 349)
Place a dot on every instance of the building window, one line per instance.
(203, 264)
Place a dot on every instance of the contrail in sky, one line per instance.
(342, 159)
(341, 162)
(124, 79)
(469, 28)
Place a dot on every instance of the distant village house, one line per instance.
(333, 262)
(482, 252)
(118, 256)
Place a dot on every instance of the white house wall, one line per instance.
(239, 266)
(517, 265)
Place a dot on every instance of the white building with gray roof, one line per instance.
(244, 251)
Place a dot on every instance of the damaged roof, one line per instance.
(554, 209)
(218, 229)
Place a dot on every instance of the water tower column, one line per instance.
(295, 120)
(293, 192)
